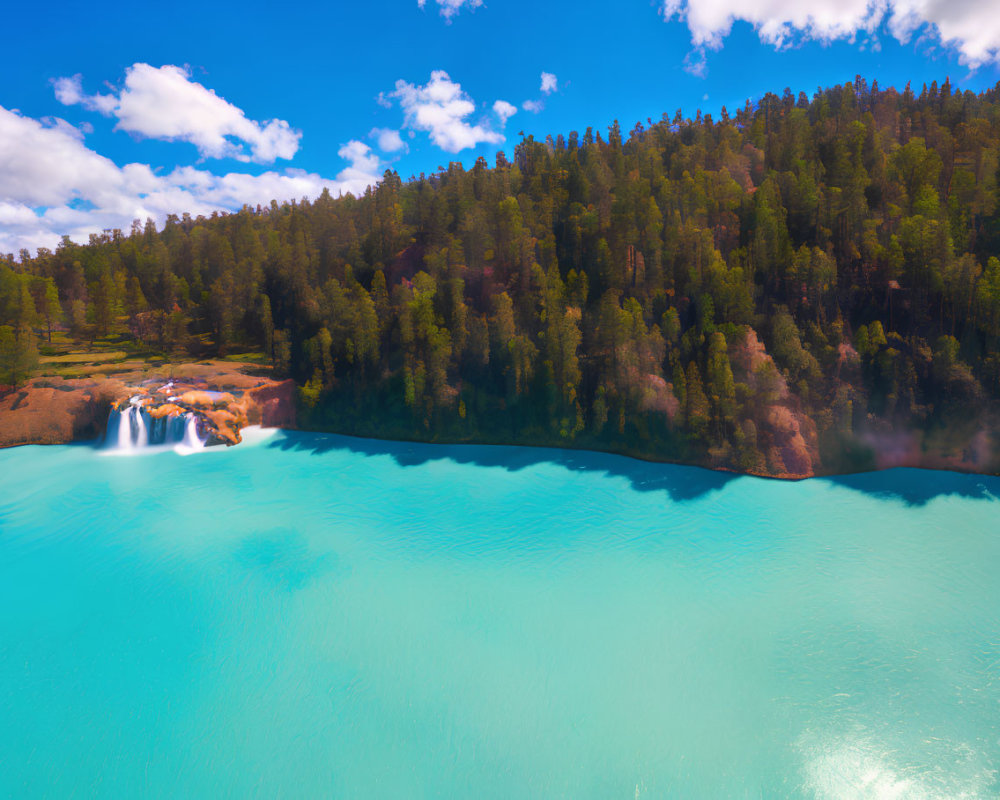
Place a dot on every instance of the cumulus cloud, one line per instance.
(363, 170)
(164, 103)
(440, 108)
(967, 25)
(963, 24)
(450, 8)
(534, 106)
(63, 126)
(504, 110)
(69, 92)
(52, 184)
(388, 139)
(549, 83)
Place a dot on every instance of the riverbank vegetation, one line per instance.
(787, 288)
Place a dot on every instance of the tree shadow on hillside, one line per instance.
(679, 481)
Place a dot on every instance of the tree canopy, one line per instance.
(666, 293)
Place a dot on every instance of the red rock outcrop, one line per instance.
(56, 411)
(225, 399)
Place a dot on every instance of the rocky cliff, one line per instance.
(223, 397)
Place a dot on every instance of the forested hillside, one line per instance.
(788, 289)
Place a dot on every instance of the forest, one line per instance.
(775, 291)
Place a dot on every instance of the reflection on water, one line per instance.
(846, 768)
(316, 616)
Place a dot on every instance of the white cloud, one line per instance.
(696, 63)
(63, 126)
(69, 91)
(388, 139)
(364, 169)
(965, 25)
(52, 184)
(549, 85)
(163, 103)
(450, 8)
(504, 110)
(440, 108)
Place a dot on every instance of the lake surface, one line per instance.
(318, 616)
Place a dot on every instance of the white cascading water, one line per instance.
(122, 423)
(133, 430)
(140, 429)
(127, 429)
(191, 440)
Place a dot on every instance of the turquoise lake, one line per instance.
(318, 616)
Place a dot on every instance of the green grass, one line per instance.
(85, 357)
(92, 370)
(67, 357)
(247, 358)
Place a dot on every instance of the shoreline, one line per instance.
(285, 415)
(55, 410)
(643, 458)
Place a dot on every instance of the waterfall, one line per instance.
(126, 429)
(133, 430)
(165, 430)
(119, 435)
(191, 440)
(139, 428)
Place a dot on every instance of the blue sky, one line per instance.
(138, 111)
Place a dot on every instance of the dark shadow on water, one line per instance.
(680, 482)
(915, 487)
